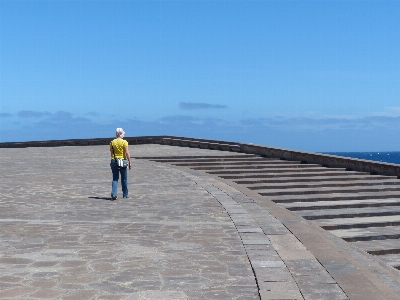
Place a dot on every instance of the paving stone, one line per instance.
(167, 295)
(322, 291)
(16, 292)
(103, 267)
(341, 267)
(111, 297)
(274, 275)
(295, 255)
(305, 265)
(268, 264)
(15, 261)
(264, 241)
(45, 264)
(5, 286)
(11, 279)
(43, 284)
(79, 295)
(46, 294)
(219, 295)
(278, 286)
(281, 295)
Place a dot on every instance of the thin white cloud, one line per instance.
(389, 111)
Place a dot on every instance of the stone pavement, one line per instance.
(182, 234)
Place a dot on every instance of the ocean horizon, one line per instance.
(388, 157)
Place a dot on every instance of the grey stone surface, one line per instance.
(62, 238)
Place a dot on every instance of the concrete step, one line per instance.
(383, 247)
(340, 178)
(223, 155)
(340, 204)
(247, 164)
(329, 190)
(322, 184)
(265, 167)
(332, 197)
(349, 213)
(292, 171)
(300, 176)
(230, 167)
(223, 159)
(392, 260)
(332, 224)
(368, 234)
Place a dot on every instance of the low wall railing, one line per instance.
(333, 161)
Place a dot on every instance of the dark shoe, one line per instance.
(113, 198)
(126, 197)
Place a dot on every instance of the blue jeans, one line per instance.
(124, 180)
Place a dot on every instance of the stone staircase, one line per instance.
(360, 208)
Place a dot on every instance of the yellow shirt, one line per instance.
(119, 146)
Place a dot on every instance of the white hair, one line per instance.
(120, 132)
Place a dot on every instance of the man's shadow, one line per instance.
(101, 198)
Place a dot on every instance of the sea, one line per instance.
(388, 157)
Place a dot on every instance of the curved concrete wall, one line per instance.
(287, 154)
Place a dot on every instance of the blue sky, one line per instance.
(307, 75)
